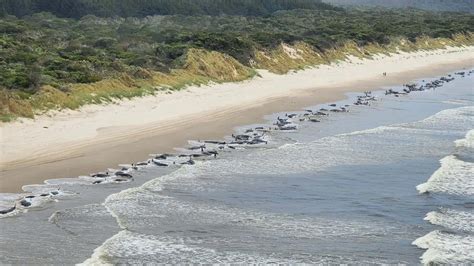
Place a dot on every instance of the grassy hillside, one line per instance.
(48, 62)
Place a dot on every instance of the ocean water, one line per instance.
(392, 182)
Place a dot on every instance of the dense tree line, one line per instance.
(141, 8)
(43, 49)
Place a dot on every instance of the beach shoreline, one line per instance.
(72, 143)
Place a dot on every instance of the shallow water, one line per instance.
(386, 183)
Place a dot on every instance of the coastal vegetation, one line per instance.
(64, 59)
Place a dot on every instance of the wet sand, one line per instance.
(115, 144)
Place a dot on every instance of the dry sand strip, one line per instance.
(72, 143)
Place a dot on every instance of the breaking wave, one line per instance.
(468, 141)
(446, 248)
(453, 177)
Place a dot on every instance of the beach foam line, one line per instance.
(429, 124)
(445, 120)
(135, 248)
(459, 102)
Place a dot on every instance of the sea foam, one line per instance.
(446, 248)
(468, 141)
(453, 177)
(452, 219)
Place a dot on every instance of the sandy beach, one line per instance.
(71, 143)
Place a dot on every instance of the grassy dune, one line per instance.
(300, 55)
(200, 66)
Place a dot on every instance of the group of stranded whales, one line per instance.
(202, 149)
(29, 201)
(408, 88)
